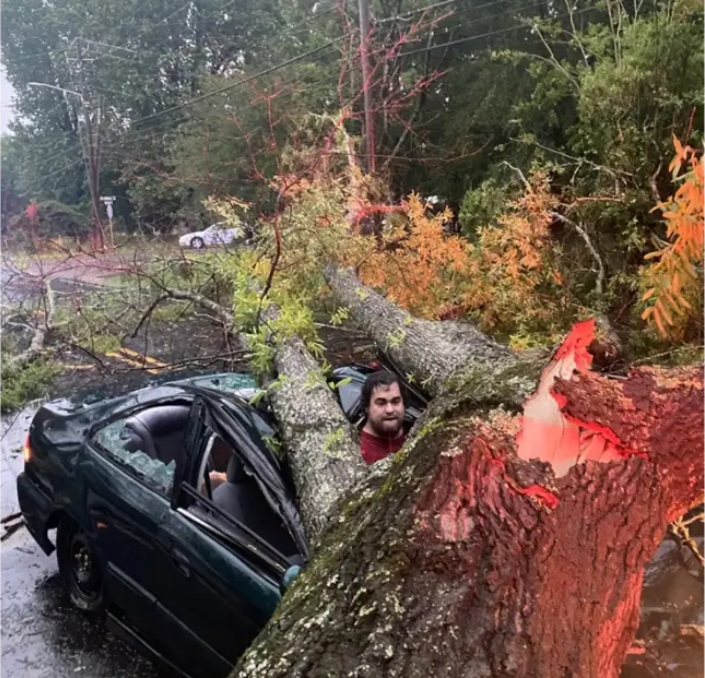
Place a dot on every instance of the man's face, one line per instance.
(385, 413)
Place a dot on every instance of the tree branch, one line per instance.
(222, 313)
(680, 530)
(524, 180)
(36, 346)
(433, 352)
(600, 281)
(148, 312)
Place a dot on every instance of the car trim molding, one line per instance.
(247, 544)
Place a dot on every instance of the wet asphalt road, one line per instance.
(42, 635)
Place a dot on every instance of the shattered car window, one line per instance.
(234, 382)
(116, 440)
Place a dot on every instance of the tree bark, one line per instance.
(509, 536)
(322, 448)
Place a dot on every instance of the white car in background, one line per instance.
(213, 235)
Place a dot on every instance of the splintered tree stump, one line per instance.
(510, 535)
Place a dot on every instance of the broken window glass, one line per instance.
(124, 447)
(235, 382)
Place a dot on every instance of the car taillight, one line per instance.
(27, 451)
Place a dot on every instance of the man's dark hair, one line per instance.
(380, 378)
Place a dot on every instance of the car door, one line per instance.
(220, 587)
(231, 234)
(225, 595)
(210, 235)
(128, 498)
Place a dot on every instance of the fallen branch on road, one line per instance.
(241, 355)
(36, 346)
(11, 529)
(12, 516)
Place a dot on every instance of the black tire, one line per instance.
(197, 243)
(79, 567)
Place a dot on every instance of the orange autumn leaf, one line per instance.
(675, 271)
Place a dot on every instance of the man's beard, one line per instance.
(387, 428)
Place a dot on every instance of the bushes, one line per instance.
(19, 386)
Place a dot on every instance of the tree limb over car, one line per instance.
(511, 533)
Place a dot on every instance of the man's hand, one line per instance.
(216, 478)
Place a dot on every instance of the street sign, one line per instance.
(109, 200)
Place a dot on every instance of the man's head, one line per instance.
(383, 403)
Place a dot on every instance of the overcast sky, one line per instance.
(5, 101)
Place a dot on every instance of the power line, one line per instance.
(153, 26)
(80, 161)
(139, 35)
(140, 135)
(147, 131)
(248, 79)
(40, 54)
(266, 71)
(207, 17)
(486, 35)
(445, 3)
(404, 16)
(133, 136)
(144, 134)
(432, 47)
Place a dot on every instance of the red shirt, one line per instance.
(373, 448)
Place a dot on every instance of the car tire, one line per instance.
(79, 567)
(197, 243)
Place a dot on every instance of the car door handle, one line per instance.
(181, 562)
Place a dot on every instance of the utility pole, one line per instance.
(91, 149)
(91, 141)
(367, 84)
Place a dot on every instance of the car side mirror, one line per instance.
(288, 579)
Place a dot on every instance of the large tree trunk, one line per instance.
(509, 536)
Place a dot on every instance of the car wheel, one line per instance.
(79, 567)
(197, 243)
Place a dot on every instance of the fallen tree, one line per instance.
(509, 536)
